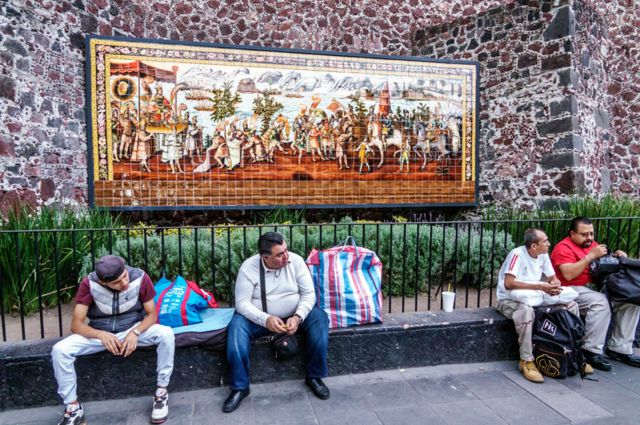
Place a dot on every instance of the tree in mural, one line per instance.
(423, 112)
(224, 102)
(265, 106)
(358, 106)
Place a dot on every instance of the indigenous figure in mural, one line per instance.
(403, 156)
(160, 107)
(301, 128)
(193, 142)
(173, 148)
(326, 140)
(141, 146)
(341, 151)
(363, 150)
(314, 142)
(116, 131)
(454, 131)
(128, 118)
(281, 129)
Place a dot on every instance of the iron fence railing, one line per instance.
(40, 269)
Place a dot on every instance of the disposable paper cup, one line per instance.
(447, 300)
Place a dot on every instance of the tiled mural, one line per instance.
(196, 125)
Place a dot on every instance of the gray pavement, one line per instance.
(479, 393)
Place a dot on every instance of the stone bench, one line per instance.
(403, 340)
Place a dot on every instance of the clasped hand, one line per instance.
(117, 347)
(551, 288)
(277, 325)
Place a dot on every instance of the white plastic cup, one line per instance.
(448, 299)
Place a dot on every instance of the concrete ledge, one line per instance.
(404, 340)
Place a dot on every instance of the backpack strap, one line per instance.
(263, 291)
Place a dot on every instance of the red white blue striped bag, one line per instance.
(348, 281)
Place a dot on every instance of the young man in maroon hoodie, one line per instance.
(118, 301)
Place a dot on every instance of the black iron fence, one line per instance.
(40, 269)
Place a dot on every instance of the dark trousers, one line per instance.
(241, 332)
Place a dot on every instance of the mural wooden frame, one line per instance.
(181, 125)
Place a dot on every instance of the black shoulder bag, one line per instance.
(284, 346)
(624, 285)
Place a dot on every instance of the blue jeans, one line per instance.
(242, 331)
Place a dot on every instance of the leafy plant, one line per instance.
(615, 220)
(40, 266)
(265, 106)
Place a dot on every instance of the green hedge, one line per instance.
(416, 254)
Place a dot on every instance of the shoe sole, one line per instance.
(159, 421)
(612, 355)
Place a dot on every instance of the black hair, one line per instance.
(578, 221)
(267, 241)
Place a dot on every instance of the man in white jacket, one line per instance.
(290, 299)
(527, 280)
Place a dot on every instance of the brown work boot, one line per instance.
(530, 371)
(588, 369)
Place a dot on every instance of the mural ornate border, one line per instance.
(337, 109)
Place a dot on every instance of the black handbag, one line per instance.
(601, 268)
(284, 346)
(624, 285)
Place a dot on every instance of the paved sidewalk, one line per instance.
(480, 393)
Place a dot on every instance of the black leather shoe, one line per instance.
(596, 360)
(233, 401)
(318, 387)
(630, 359)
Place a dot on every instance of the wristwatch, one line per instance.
(299, 317)
(136, 331)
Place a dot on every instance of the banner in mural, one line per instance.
(186, 125)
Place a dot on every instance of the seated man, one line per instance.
(118, 300)
(571, 258)
(291, 305)
(527, 280)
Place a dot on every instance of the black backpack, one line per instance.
(557, 342)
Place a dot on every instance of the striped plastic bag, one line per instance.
(348, 281)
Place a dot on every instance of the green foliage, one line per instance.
(34, 258)
(280, 215)
(265, 106)
(224, 102)
(615, 220)
(420, 255)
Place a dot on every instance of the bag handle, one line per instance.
(350, 240)
(263, 290)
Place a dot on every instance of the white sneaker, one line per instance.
(160, 411)
(73, 415)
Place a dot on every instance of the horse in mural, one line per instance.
(382, 142)
(421, 147)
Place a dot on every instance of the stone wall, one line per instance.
(546, 128)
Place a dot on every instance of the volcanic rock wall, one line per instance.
(559, 79)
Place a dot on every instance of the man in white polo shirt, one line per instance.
(290, 299)
(527, 280)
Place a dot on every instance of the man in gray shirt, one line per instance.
(291, 306)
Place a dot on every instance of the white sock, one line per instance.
(161, 391)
